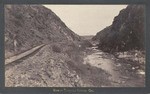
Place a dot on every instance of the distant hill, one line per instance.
(126, 31)
(27, 26)
(87, 37)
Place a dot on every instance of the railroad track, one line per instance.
(22, 55)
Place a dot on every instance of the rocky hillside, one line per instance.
(102, 34)
(126, 31)
(27, 26)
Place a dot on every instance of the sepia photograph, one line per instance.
(56, 45)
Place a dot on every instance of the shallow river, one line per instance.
(120, 74)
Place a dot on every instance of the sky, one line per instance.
(86, 19)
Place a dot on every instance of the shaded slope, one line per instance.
(102, 34)
(126, 31)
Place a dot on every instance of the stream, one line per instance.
(120, 74)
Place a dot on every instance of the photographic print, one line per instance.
(74, 45)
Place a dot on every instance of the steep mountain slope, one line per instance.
(102, 34)
(126, 31)
(27, 26)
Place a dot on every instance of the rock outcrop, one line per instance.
(126, 31)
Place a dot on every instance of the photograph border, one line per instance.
(75, 90)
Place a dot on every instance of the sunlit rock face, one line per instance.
(126, 31)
